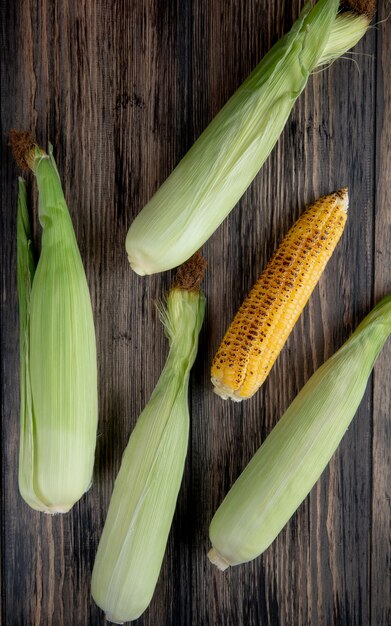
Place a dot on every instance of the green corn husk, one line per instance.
(58, 373)
(293, 456)
(216, 171)
(142, 505)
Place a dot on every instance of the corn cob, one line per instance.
(268, 314)
(210, 179)
(58, 374)
(142, 505)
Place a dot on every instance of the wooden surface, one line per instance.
(122, 89)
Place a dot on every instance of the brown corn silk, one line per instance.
(264, 321)
(362, 7)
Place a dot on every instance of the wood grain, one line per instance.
(380, 565)
(122, 89)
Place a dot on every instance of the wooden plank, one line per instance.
(16, 553)
(122, 89)
(116, 138)
(380, 566)
(304, 577)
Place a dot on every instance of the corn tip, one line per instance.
(112, 619)
(223, 391)
(58, 509)
(215, 557)
(343, 195)
(136, 267)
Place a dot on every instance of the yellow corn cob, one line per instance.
(268, 314)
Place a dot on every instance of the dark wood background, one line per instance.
(122, 89)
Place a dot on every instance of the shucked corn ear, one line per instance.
(293, 456)
(213, 175)
(264, 321)
(58, 375)
(135, 533)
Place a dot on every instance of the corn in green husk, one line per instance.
(142, 505)
(213, 175)
(293, 456)
(58, 374)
